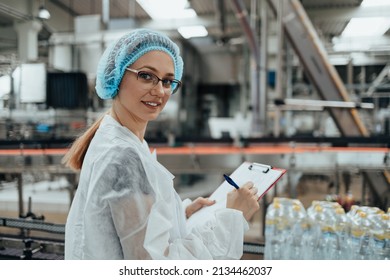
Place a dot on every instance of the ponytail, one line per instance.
(75, 156)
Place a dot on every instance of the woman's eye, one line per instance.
(145, 76)
(167, 83)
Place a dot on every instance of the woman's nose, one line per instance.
(158, 89)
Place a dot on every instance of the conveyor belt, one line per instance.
(253, 248)
(25, 248)
(32, 225)
(20, 253)
(212, 150)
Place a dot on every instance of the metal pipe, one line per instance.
(220, 15)
(325, 103)
(264, 64)
(20, 194)
(4, 8)
(242, 16)
(350, 75)
(378, 80)
(280, 55)
(106, 12)
(253, 13)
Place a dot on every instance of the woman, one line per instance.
(125, 206)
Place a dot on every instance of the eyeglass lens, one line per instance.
(170, 86)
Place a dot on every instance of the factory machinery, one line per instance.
(37, 149)
(197, 159)
(24, 247)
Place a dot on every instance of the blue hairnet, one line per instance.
(125, 52)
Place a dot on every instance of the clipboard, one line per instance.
(263, 177)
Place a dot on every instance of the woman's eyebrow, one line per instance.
(156, 71)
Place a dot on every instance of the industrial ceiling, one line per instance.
(329, 18)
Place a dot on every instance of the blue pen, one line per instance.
(230, 181)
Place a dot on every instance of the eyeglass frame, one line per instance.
(137, 72)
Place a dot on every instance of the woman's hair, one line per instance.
(75, 156)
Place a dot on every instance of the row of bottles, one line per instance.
(325, 231)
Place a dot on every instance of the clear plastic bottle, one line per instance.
(298, 231)
(341, 229)
(316, 219)
(287, 219)
(328, 243)
(360, 237)
(371, 210)
(274, 231)
(279, 235)
(379, 237)
(311, 224)
(352, 212)
(270, 222)
(387, 237)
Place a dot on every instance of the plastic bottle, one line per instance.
(360, 237)
(328, 248)
(352, 218)
(274, 232)
(386, 254)
(341, 229)
(279, 235)
(289, 223)
(311, 222)
(270, 222)
(298, 231)
(379, 237)
(352, 212)
(313, 246)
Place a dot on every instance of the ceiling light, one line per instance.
(167, 9)
(43, 13)
(364, 27)
(193, 31)
(372, 3)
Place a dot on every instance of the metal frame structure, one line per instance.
(308, 46)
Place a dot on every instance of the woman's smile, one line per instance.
(151, 104)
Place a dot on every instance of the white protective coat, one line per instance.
(126, 207)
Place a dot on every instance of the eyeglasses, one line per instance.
(150, 80)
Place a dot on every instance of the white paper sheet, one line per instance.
(262, 176)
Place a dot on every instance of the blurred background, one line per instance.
(301, 85)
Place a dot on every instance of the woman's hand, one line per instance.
(198, 204)
(244, 199)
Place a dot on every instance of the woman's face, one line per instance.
(144, 103)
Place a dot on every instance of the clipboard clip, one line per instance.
(265, 168)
